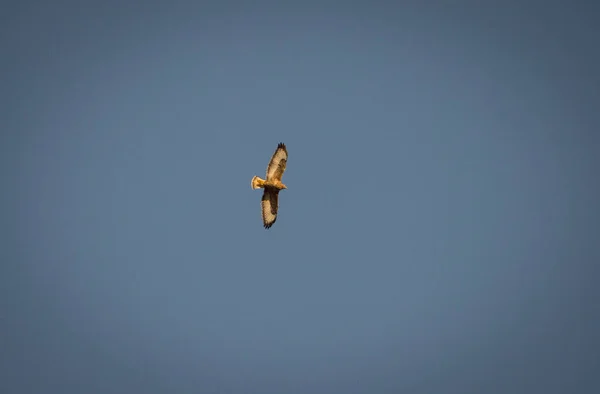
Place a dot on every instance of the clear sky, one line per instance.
(439, 233)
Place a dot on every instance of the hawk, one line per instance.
(272, 185)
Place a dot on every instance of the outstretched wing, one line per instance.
(269, 205)
(277, 164)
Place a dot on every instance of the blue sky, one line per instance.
(439, 232)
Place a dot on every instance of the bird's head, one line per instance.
(283, 186)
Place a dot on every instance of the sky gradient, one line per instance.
(439, 234)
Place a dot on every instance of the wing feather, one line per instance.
(269, 206)
(278, 163)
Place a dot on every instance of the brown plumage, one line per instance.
(272, 185)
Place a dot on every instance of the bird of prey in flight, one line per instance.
(272, 185)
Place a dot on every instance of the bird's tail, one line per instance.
(257, 182)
